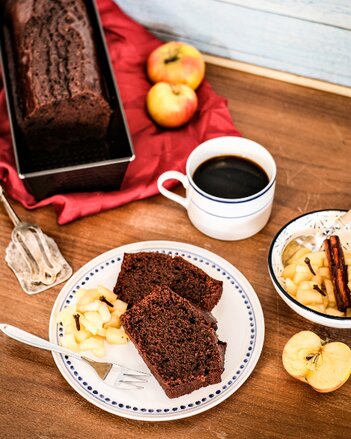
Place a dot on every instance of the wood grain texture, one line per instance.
(294, 37)
(309, 134)
(279, 75)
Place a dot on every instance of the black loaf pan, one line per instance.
(82, 168)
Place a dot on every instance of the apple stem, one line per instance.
(172, 58)
(175, 89)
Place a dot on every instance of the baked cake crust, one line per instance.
(58, 88)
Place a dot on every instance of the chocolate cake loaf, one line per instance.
(57, 83)
(176, 341)
(140, 272)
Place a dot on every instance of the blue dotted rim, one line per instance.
(84, 383)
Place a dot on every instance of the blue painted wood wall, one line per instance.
(306, 37)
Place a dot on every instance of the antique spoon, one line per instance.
(32, 245)
(314, 239)
(32, 255)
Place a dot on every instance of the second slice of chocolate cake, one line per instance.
(141, 271)
(176, 340)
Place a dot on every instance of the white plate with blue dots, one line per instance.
(240, 324)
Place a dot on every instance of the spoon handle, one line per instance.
(11, 213)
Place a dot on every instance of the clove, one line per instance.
(103, 299)
(309, 265)
(317, 288)
(76, 319)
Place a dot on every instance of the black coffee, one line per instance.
(230, 176)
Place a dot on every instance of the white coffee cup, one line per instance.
(223, 218)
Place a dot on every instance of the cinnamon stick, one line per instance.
(338, 272)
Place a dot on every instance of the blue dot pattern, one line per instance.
(157, 411)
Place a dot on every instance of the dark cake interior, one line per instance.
(140, 272)
(194, 284)
(59, 92)
(176, 341)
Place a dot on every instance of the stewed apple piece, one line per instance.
(68, 341)
(308, 278)
(119, 307)
(104, 312)
(65, 316)
(116, 336)
(324, 366)
(94, 318)
(92, 343)
(105, 292)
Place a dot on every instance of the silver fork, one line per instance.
(113, 374)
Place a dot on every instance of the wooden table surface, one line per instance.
(309, 134)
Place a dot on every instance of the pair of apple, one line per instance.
(177, 69)
(325, 366)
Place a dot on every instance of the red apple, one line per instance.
(176, 62)
(171, 105)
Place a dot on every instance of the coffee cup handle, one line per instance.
(173, 175)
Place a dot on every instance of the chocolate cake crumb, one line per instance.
(176, 341)
(141, 271)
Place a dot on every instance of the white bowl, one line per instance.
(305, 223)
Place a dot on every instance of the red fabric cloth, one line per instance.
(156, 149)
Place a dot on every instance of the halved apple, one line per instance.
(324, 366)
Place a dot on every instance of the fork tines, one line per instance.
(119, 377)
(135, 382)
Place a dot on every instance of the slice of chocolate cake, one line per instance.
(141, 271)
(194, 284)
(176, 341)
